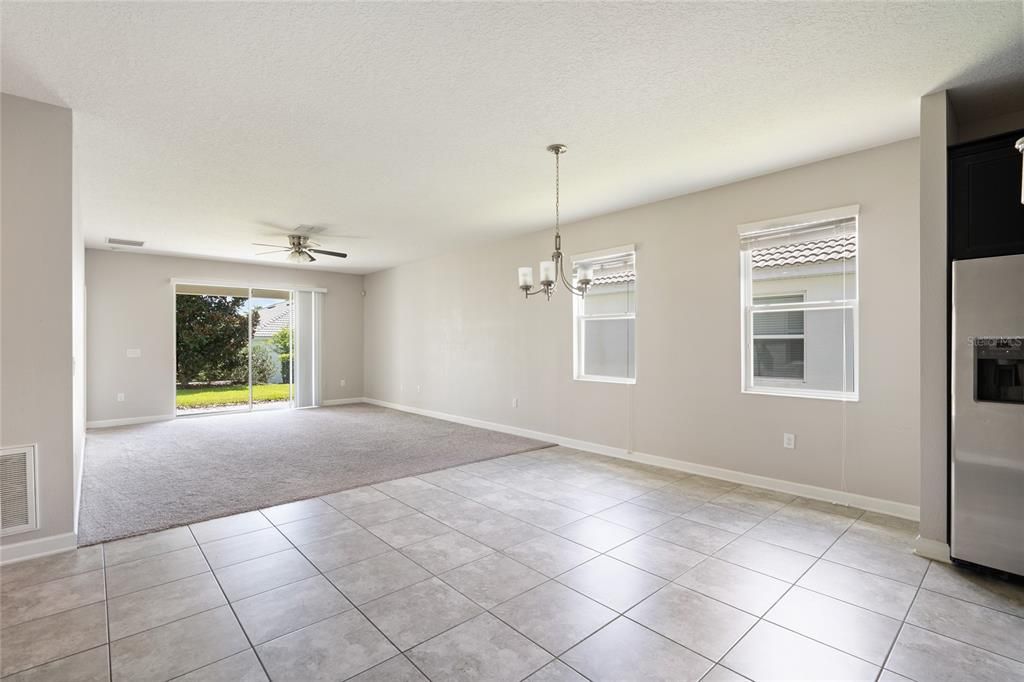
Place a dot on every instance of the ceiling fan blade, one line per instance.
(273, 246)
(264, 253)
(337, 254)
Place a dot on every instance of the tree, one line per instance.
(282, 343)
(262, 364)
(212, 337)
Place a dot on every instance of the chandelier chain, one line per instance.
(557, 192)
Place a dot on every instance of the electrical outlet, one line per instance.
(789, 440)
(342, 382)
(419, 388)
(120, 397)
(133, 352)
(515, 402)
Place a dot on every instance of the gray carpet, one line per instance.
(148, 477)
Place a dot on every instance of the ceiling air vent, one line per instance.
(17, 490)
(114, 241)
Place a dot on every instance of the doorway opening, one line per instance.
(234, 349)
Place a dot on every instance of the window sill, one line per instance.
(605, 380)
(814, 395)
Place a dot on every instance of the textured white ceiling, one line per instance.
(421, 127)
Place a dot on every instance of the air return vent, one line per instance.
(17, 490)
(114, 241)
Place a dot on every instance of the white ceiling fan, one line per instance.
(300, 248)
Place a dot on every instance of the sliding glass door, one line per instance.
(271, 315)
(233, 348)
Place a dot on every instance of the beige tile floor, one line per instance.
(549, 565)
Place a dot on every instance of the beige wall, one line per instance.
(131, 305)
(938, 130)
(36, 302)
(453, 334)
(77, 338)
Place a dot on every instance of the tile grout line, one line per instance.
(57, 613)
(640, 533)
(354, 606)
(619, 614)
(552, 532)
(106, 611)
(297, 547)
(233, 613)
(59, 658)
(339, 591)
(781, 597)
(484, 610)
(548, 579)
(903, 622)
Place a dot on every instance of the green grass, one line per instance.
(222, 396)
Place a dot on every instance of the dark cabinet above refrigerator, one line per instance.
(986, 216)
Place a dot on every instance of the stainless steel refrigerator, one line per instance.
(987, 484)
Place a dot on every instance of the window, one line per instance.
(799, 305)
(604, 321)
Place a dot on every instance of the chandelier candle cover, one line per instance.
(552, 271)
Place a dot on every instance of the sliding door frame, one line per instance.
(292, 291)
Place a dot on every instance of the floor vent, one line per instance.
(17, 490)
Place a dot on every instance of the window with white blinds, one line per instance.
(800, 309)
(604, 321)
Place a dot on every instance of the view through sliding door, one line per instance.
(234, 348)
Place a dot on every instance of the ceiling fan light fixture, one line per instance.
(299, 251)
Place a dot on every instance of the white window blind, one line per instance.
(307, 345)
(800, 305)
(778, 340)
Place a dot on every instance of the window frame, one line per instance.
(779, 227)
(579, 318)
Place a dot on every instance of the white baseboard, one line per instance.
(900, 509)
(841, 497)
(341, 401)
(104, 423)
(30, 549)
(932, 549)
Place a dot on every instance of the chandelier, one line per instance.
(553, 271)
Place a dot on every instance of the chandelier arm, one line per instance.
(565, 281)
(538, 290)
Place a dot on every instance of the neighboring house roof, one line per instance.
(273, 318)
(615, 278)
(805, 253)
